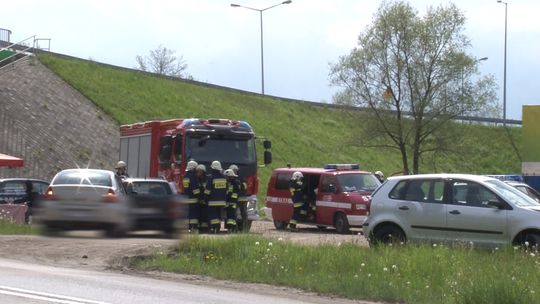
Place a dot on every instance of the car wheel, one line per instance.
(341, 223)
(531, 240)
(387, 235)
(49, 230)
(280, 225)
(115, 231)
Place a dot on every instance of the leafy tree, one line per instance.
(413, 75)
(164, 62)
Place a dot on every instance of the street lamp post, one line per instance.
(504, 81)
(262, 49)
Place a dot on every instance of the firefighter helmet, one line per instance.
(120, 164)
(229, 173)
(201, 167)
(297, 175)
(216, 165)
(234, 168)
(191, 165)
(379, 174)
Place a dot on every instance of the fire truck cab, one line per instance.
(340, 194)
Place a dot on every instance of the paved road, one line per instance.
(31, 283)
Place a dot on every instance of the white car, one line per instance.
(85, 199)
(452, 208)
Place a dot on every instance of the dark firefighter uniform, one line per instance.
(233, 189)
(216, 194)
(297, 196)
(203, 208)
(192, 191)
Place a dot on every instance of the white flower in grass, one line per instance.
(394, 267)
(257, 262)
(526, 244)
(267, 249)
(257, 243)
(362, 264)
(385, 269)
(270, 244)
(434, 245)
(513, 278)
(369, 275)
(408, 283)
(280, 239)
(427, 286)
(356, 276)
(532, 254)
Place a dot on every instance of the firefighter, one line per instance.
(233, 189)
(121, 170)
(192, 191)
(200, 189)
(216, 193)
(380, 176)
(297, 196)
(242, 196)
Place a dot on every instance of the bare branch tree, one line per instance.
(164, 62)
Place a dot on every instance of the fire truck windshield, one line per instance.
(226, 150)
(357, 182)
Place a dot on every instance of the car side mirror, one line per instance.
(496, 204)
(267, 144)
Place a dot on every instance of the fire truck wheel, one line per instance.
(341, 223)
(280, 225)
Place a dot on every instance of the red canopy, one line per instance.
(10, 161)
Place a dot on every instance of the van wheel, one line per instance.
(341, 223)
(280, 225)
(388, 235)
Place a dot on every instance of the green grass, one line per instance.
(412, 274)
(301, 134)
(9, 228)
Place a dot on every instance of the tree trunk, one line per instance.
(403, 150)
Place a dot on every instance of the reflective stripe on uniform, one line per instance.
(231, 222)
(234, 195)
(191, 200)
(216, 203)
(215, 222)
(196, 191)
(296, 205)
(185, 181)
(293, 222)
(193, 221)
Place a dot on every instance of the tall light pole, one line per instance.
(262, 49)
(504, 81)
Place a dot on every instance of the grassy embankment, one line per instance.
(411, 274)
(302, 134)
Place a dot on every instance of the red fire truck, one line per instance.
(340, 193)
(163, 148)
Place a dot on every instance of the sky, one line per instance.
(302, 40)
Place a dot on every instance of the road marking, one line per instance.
(43, 296)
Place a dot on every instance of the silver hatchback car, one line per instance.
(452, 208)
(83, 199)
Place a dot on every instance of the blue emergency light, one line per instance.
(342, 167)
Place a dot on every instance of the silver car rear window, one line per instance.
(83, 177)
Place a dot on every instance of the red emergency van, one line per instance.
(340, 193)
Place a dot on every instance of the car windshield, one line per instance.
(512, 195)
(227, 150)
(83, 177)
(357, 182)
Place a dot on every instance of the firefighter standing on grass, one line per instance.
(297, 196)
(233, 188)
(216, 193)
(242, 195)
(200, 189)
(192, 191)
